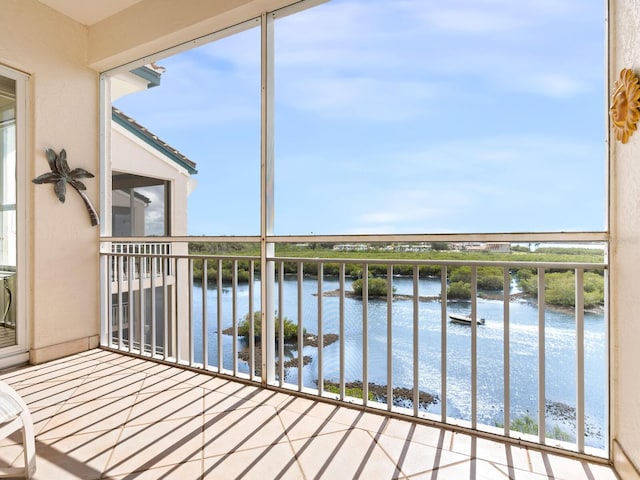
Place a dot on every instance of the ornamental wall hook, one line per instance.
(625, 105)
(61, 174)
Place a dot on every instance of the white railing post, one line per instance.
(579, 313)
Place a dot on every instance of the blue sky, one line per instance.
(398, 117)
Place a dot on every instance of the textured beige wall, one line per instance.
(625, 247)
(63, 59)
(131, 155)
(64, 288)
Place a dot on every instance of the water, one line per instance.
(560, 351)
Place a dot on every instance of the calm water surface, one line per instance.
(560, 350)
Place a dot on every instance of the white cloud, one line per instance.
(553, 85)
(372, 99)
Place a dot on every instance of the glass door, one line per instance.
(8, 221)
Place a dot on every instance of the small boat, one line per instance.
(464, 319)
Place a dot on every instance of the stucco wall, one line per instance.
(625, 252)
(63, 254)
(131, 155)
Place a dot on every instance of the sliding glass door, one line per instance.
(12, 324)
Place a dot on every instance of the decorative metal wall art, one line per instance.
(625, 105)
(61, 174)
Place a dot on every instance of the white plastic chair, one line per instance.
(14, 416)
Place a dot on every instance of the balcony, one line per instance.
(520, 377)
(102, 414)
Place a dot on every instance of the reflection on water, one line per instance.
(559, 343)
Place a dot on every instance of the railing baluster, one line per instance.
(541, 359)
(176, 318)
(365, 334)
(130, 280)
(191, 319)
(120, 306)
(111, 317)
(219, 319)
(320, 334)
(474, 347)
(506, 297)
(580, 359)
(205, 315)
(301, 326)
(153, 306)
(234, 310)
(416, 340)
(252, 336)
(342, 342)
(443, 343)
(280, 334)
(389, 337)
(141, 304)
(165, 307)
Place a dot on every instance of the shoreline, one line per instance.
(514, 297)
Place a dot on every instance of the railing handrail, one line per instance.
(378, 261)
(524, 237)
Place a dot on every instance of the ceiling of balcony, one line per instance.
(89, 12)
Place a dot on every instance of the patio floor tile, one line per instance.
(101, 414)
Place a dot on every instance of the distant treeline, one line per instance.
(559, 284)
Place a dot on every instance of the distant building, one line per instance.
(499, 247)
(351, 247)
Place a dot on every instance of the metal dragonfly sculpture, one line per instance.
(61, 175)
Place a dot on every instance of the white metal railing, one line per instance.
(194, 320)
(144, 253)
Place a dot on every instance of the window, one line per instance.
(139, 206)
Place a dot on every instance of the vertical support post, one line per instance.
(106, 307)
(267, 248)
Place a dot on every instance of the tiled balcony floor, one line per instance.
(104, 415)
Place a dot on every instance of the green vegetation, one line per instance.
(459, 291)
(560, 287)
(526, 424)
(559, 284)
(354, 392)
(377, 287)
(290, 328)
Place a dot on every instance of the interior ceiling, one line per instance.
(89, 12)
